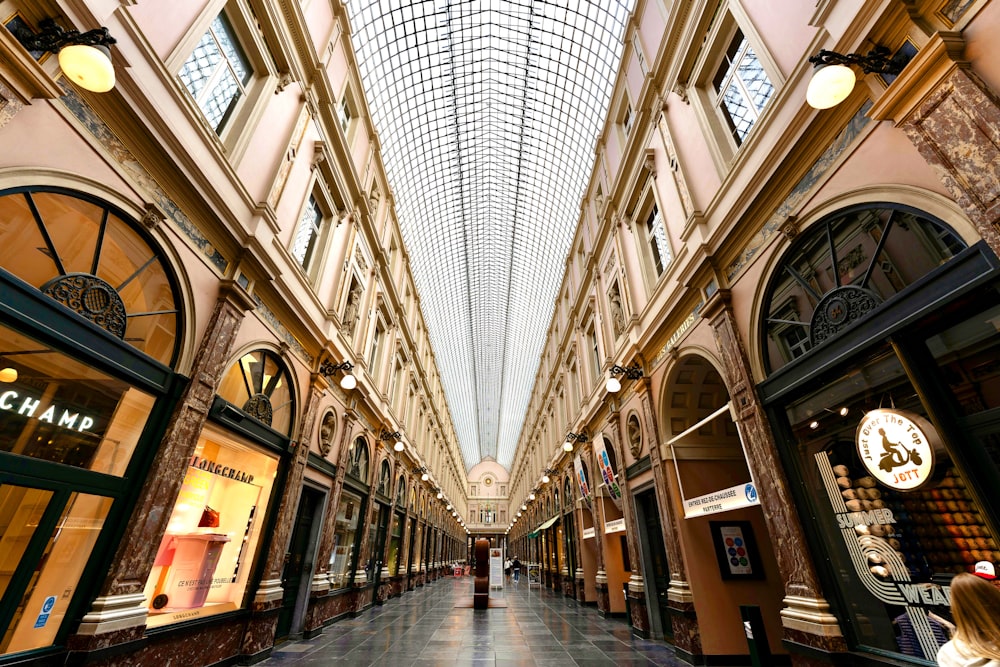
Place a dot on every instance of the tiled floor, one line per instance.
(423, 627)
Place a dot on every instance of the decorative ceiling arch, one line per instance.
(487, 113)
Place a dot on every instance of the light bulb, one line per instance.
(613, 385)
(348, 382)
(8, 375)
(424, 477)
(399, 446)
(545, 479)
(567, 446)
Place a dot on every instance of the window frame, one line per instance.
(236, 132)
(721, 144)
(644, 212)
(314, 262)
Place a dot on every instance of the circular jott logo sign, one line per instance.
(897, 447)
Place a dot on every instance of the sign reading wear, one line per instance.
(581, 476)
(604, 465)
(614, 526)
(897, 448)
(735, 497)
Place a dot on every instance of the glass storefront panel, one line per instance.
(395, 541)
(43, 604)
(897, 529)
(20, 511)
(55, 408)
(342, 560)
(206, 556)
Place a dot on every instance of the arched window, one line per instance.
(258, 384)
(842, 269)
(84, 254)
(401, 492)
(568, 492)
(385, 479)
(357, 463)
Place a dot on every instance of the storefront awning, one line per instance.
(542, 527)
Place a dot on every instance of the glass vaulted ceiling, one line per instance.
(487, 112)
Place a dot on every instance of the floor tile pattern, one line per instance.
(423, 628)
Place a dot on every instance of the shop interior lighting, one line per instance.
(613, 385)
(347, 382)
(8, 375)
(833, 79)
(84, 57)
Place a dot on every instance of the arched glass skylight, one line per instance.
(487, 112)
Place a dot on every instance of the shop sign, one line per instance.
(607, 472)
(614, 526)
(897, 448)
(11, 401)
(222, 471)
(588, 533)
(581, 477)
(735, 497)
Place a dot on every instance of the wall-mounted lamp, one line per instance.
(424, 475)
(574, 437)
(545, 475)
(632, 372)
(531, 496)
(440, 495)
(84, 57)
(833, 79)
(386, 436)
(348, 382)
(524, 507)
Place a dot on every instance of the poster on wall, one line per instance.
(735, 550)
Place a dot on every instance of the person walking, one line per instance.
(516, 569)
(975, 605)
(506, 568)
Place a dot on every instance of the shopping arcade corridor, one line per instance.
(538, 627)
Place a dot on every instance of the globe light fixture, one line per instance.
(833, 79)
(84, 57)
(348, 382)
(613, 385)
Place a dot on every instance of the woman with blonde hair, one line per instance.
(975, 606)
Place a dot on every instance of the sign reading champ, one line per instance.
(897, 448)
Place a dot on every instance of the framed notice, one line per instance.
(736, 550)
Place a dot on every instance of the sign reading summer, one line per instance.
(897, 448)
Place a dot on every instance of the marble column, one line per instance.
(119, 613)
(806, 617)
(267, 600)
(683, 621)
(953, 118)
(636, 588)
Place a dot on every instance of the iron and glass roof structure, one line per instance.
(487, 113)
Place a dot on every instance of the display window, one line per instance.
(205, 559)
(343, 561)
(90, 326)
(888, 418)
(55, 408)
(395, 543)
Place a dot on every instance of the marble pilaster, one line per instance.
(804, 597)
(122, 588)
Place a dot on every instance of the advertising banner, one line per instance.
(581, 477)
(607, 472)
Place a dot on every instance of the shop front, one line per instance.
(883, 389)
(91, 329)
